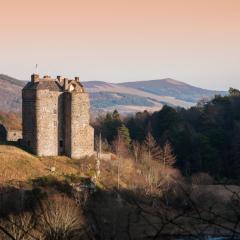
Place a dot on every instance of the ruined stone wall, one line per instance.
(81, 134)
(14, 135)
(48, 104)
(29, 119)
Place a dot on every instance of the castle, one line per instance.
(55, 117)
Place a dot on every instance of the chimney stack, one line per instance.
(60, 79)
(35, 78)
(65, 84)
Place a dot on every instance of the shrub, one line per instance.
(60, 219)
(202, 179)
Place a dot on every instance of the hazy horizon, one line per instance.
(196, 42)
(95, 80)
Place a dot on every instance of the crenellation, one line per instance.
(46, 77)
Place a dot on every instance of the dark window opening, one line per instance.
(61, 144)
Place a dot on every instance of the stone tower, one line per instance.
(55, 117)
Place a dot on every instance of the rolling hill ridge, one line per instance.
(127, 97)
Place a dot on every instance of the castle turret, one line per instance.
(79, 134)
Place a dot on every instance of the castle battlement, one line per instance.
(55, 114)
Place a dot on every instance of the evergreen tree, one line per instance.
(204, 137)
(110, 125)
(116, 115)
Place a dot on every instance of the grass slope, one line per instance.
(19, 165)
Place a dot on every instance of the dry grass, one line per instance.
(18, 165)
(62, 164)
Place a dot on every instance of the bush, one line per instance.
(60, 219)
(178, 196)
(45, 181)
(52, 182)
(202, 179)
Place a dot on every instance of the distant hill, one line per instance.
(173, 88)
(10, 93)
(151, 94)
(127, 97)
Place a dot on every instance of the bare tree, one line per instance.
(152, 148)
(120, 150)
(20, 226)
(60, 219)
(167, 157)
(152, 180)
(136, 147)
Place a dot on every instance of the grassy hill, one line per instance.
(18, 165)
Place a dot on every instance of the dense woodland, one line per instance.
(204, 138)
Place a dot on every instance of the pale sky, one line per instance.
(195, 41)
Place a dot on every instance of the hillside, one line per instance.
(111, 205)
(173, 88)
(14, 158)
(10, 93)
(123, 96)
(151, 95)
(126, 97)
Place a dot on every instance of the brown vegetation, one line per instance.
(18, 165)
(60, 219)
(143, 198)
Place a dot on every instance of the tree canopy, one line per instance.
(204, 138)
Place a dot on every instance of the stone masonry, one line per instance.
(14, 135)
(55, 114)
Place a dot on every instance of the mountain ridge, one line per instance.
(127, 97)
(174, 88)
